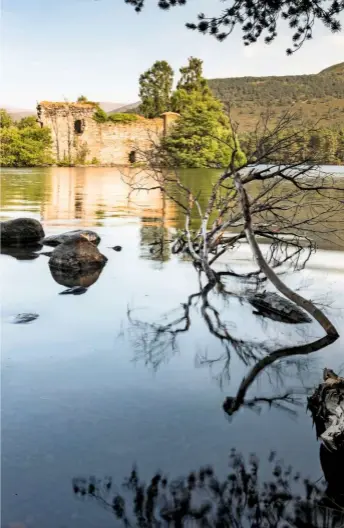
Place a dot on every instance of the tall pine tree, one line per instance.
(155, 89)
(202, 137)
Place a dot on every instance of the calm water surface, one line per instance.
(89, 389)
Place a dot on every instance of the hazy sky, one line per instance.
(56, 49)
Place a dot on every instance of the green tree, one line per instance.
(202, 137)
(155, 89)
(30, 121)
(25, 145)
(191, 77)
(329, 145)
(340, 147)
(191, 82)
(82, 99)
(5, 119)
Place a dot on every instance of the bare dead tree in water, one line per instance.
(293, 207)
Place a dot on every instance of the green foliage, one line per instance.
(100, 116)
(155, 89)
(65, 162)
(191, 77)
(202, 136)
(122, 118)
(30, 121)
(323, 146)
(24, 145)
(5, 119)
(95, 161)
(82, 99)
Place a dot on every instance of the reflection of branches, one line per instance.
(154, 341)
(231, 405)
(202, 499)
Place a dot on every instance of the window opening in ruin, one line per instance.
(79, 126)
(132, 156)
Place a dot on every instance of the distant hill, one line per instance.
(338, 69)
(18, 113)
(110, 107)
(319, 96)
(125, 108)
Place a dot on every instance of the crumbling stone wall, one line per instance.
(78, 138)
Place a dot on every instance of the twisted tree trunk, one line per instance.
(306, 304)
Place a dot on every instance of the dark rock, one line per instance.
(56, 240)
(278, 308)
(77, 255)
(21, 231)
(46, 253)
(117, 248)
(25, 318)
(22, 252)
(75, 290)
(71, 278)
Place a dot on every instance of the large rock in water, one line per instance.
(21, 231)
(56, 240)
(75, 255)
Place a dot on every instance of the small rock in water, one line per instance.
(25, 318)
(117, 248)
(76, 290)
(56, 240)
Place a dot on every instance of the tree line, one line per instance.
(323, 146)
(202, 136)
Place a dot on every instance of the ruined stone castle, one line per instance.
(79, 138)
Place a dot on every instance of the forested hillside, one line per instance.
(316, 97)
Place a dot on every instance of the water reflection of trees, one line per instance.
(241, 499)
(155, 343)
(201, 499)
(154, 240)
(155, 237)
